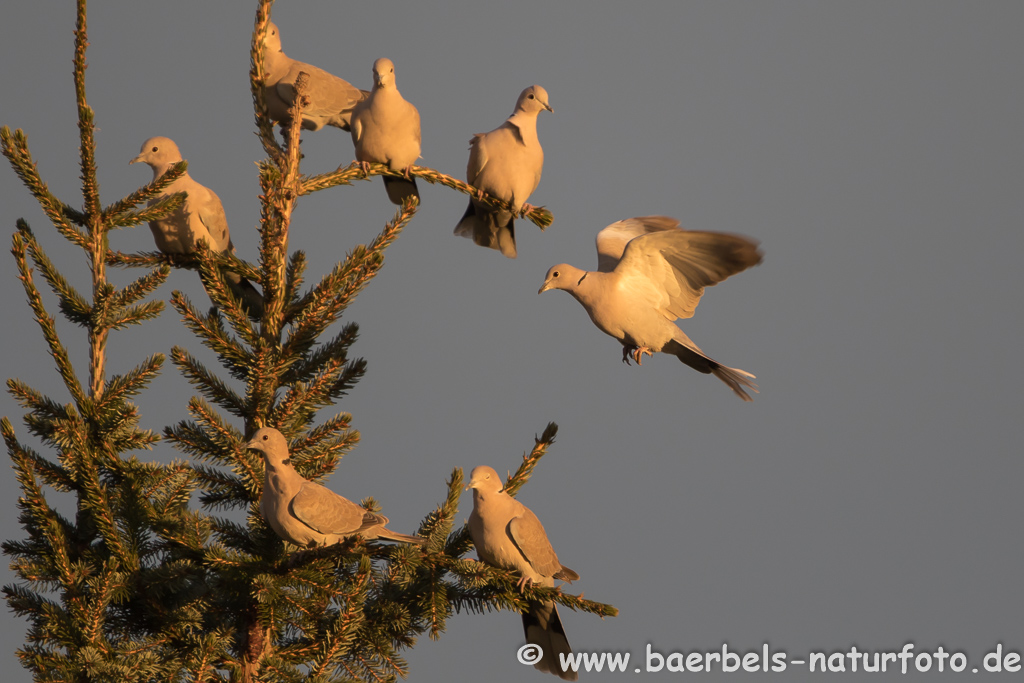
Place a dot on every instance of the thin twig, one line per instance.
(344, 175)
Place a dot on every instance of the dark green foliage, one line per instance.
(139, 585)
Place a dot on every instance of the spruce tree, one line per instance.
(139, 585)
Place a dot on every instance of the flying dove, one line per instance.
(650, 272)
(386, 130)
(507, 534)
(505, 163)
(200, 217)
(305, 513)
(331, 98)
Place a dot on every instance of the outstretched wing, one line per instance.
(611, 241)
(669, 269)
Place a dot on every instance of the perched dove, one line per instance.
(650, 272)
(303, 512)
(200, 217)
(508, 535)
(386, 130)
(331, 98)
(505, 163)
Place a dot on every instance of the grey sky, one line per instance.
(871, 493)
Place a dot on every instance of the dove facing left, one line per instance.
(508, 535)
(649, 273)
(305, 513)
(331, 99)
(201, 217)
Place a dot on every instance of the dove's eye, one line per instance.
(265, 437)
(531, 96)
(554, 274)
(154, 149)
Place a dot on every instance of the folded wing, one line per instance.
(328, 513)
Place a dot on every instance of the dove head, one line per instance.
(532, 100)
(272, 43)
(383, 73)
(484, 479)
(158, 153)
(271, 443)
(563, 276)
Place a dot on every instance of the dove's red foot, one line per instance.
(638, 353)
(527, 208)
(626, 350)
(406, 174)
(365, 165)
(523, 583)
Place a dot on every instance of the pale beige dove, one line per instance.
(386, 130)
(201, 217)
(331, 99)
(507, 534)
(305, 513)
(651, 272)
(505, 163)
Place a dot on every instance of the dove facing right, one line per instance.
(649, 273)
(507, 534)
(505, 163)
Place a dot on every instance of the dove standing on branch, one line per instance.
(331, 99)
(200, 217)
(505, 163)
(305, 513)
(508, 535)
(386, 130)
(650, 272)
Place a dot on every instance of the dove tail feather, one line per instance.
(491, 229)
(400, 188)
(467, 225)
(344, 120)
(389, 535)
(542, 626)
(246, 293)
(688, 352)
(736, 379)
(344, 117)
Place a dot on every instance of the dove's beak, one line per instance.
(548, 107)
(545, 287)
(138, 158)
